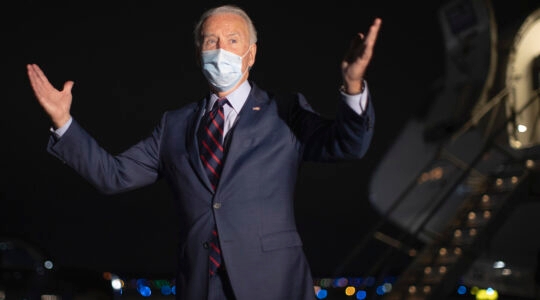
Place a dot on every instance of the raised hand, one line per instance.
(357, 58)
(56, 103)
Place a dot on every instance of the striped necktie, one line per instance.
(211, 153)
(211, 142)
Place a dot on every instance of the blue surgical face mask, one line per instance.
(222, 68)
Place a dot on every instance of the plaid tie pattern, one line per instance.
(211, 153)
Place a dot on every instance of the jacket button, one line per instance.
(217, 205)
(205, 245)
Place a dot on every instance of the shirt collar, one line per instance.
(236, 99)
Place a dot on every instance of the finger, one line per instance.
(34, 79)
(32, 71)
(373, 33)
(41, 76)
(34, 76)
(371, 38)
(39, 81)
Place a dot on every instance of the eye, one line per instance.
(209, 42)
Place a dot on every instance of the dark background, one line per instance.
(131, 62)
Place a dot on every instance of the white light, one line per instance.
(499, 264)
(48, 265)
(521, 128)
(116, 284)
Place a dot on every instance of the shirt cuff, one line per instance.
(357, 102)
(59, 132)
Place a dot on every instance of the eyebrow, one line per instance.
(233, 34)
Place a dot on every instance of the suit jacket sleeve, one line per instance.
(347, 137)
(136, 167)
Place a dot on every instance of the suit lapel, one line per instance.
(193, 145)
(244, 132)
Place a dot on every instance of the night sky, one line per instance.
(131, 62)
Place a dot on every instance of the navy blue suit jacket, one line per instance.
(253, 204)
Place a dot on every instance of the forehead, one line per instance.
(224, 24)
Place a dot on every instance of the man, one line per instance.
(234, 192)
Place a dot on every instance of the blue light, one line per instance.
(361, 295)
(322, 294)
(143, 288)
(462, 290)
(173, 290)
(380, 290)
(145, 291)
(166, 290)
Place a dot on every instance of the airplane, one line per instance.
(460, 182)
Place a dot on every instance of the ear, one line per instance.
(251, 55)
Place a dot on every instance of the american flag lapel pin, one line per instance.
(256, 108)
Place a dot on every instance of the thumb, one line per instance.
(68, 85)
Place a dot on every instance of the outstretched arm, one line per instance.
(56, 103)
(357, 58)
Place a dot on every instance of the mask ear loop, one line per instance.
(249, 48)
(249, 67)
